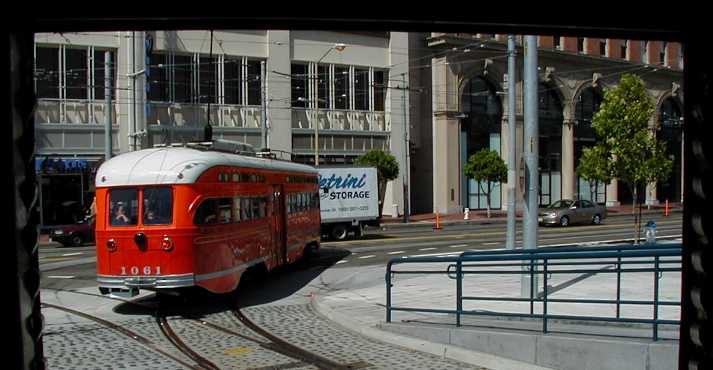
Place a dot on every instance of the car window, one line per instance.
(587, 204)
(578, 204)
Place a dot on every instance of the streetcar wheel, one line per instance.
(564, 221)
(597, 219)
(339, 232)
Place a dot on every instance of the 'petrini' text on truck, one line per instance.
(349, 200)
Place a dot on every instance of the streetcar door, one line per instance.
(279, 222)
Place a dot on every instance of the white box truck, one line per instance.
(349, 200)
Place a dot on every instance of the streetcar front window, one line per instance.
(158, 206)
(123, 207)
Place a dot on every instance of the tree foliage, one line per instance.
(626, 147)
(387, 169)
(486, 167)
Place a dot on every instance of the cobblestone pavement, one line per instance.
(76, 343)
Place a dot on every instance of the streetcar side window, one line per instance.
(236, 209)
(158, 206)
(263, 206)
(246, 209)
(206, 212)
(123, 207)
(224, 209)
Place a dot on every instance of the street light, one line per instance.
(338, 47)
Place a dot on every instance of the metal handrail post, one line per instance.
(618, 286)
(532, 285)
(388, 292)
(459, 291)
(544, 297)
(656, 298)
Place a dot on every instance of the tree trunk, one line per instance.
(487, 198)
(382, 193)
(633, 210)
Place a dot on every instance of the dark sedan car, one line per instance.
(76, 234)
(566, 211)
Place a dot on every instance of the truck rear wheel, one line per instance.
(339, 232)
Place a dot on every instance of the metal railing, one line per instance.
(543, 264)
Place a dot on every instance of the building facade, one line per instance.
(334, 96)
(336, 89)
(470, 103)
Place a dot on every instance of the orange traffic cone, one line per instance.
(438, 222)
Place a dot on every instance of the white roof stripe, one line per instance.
(163, 166)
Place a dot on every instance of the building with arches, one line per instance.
(469, 102)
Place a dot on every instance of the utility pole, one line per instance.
(406, 149)
(531, 151)
(512, 142)
(107, 105)
(263, 126)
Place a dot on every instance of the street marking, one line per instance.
(61, 277)
(491, 243)
(237, 351)
(436, 254)
(458, 246)
(427, 249)
(397, 252)
(338, 262)
(369, 256)
(72, 254)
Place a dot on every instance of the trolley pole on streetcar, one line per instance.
(107, 105)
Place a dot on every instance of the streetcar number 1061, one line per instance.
(146, 270)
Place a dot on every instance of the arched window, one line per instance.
(586, 105)
(550, 149)
(480, 129)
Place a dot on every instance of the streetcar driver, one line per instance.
(120, 217)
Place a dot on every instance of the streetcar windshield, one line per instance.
(158, 206)
(123, 207)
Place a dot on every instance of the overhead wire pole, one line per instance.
(531, 151)
(512, 142)
(406, 150)
(263, 126)
(107, 106)
(208, 129)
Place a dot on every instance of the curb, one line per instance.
(498, 220)
(445, 351)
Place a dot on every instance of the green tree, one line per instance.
(594, 167)
(626, 147)
(486, 167)
(386, 167)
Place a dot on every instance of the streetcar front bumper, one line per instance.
(129, 285)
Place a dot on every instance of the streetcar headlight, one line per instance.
(111, 245)
(167, 243)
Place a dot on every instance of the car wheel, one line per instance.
(564, 221)
(339, 232)
(597, 219)
(77, 240)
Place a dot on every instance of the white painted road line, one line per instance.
(491, 243)
(369, 256)
(72, 254)
(437, 254)
(61, 277)
(427, 249)
(342, 261)
(397, 252)
(458, 246)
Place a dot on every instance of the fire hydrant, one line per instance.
(466, 214)
(651, 232)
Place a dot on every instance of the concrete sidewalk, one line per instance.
(356, 299)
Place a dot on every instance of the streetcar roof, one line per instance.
(179, 166)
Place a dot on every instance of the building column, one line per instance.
(651, 199)
(447, 167)
(568, 177)
(279, 112)
(613, 194)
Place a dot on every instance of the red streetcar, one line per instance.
(177, 217)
